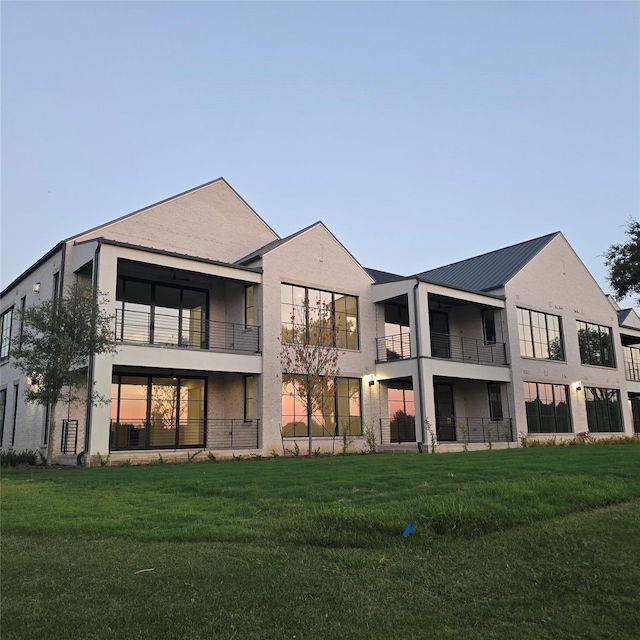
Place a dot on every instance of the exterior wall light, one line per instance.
(578, 386)
(372, 380)
(36, 287)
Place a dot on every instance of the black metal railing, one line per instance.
(396, 347)
(473, 430)
(167, 434)
(451, 429)
(142, 327)
(69, 437)
(462, 349)
(398, 430)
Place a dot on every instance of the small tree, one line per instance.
(309, 357)
(623, 262)
(57, 339)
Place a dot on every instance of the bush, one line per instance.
(19, 458)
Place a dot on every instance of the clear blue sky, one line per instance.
(419, 133)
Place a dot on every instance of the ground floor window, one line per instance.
(151, 412)
(603, 409)
(334, 406)
(547, 408)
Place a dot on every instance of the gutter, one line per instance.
(90, 370)
(419, 350)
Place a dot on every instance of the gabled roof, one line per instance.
(628, 318)
(383, 276)
(490, 270)
(258, 253)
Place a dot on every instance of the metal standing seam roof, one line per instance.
(381, 277)
(487, 271)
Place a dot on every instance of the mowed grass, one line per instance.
(522, 543)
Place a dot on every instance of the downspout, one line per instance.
(90, 368)
(421, 403)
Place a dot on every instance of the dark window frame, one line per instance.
(176, 444)
(335, 330)
(6, 329)
(529, 339)
(600, 417)
(3, 410)
(537, 405)
(14, 422)
(336, 412)
(596, 357)
(153, 284)
(492, 392)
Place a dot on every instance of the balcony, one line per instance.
(452, 429)
(141, 327)
(214, 434)
(472, 350)
(396, 347)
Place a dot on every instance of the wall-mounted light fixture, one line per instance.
(372, 380)
(36, 287)
(578, 386)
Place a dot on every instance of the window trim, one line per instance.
(6, 333)
(334, 327)
(336, 412)
(246, 414)
(567, 395)
(590, 362)
(530, 338)
(619, 416)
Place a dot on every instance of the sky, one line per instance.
(420, 133)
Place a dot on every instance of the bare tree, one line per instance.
(309, 358)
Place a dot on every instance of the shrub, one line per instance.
(19, 458)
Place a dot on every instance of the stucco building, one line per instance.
(204, 294)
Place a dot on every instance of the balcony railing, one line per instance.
(141, 327)
(473, 430)
(452, 429)
(463, 349)
(214, 433)
(396, 347)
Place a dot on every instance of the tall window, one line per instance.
(489, 326)
(249, 407)
(56, 285)
(149, 412)
(540, 335)
(3, 408)
(249, 306)
(305, 313)
(14, 421)
(603, 409)
(396, 331)
(631, 363)
(23, 306)
(547, 408)
(160, 314)
(596, 344)
(337, 410)
(5, 334)
(495, 401)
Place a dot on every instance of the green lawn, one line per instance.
(522, 543)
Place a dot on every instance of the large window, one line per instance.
(547, 408)
(319, 317)
(603, 409)
(596, 344)
(249, 306)
(631, 363)
(336, 407)
(5, 334)
(161, 314)
(149, 412)
(540, 335)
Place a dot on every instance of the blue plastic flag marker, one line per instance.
(408, 530)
